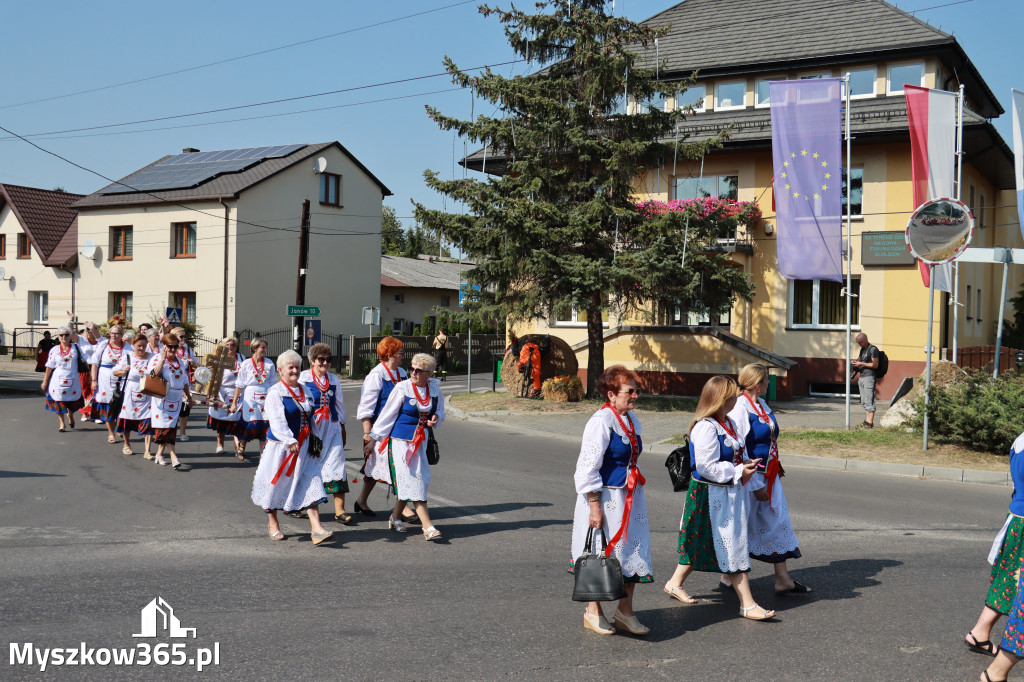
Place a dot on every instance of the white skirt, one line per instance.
(411, 479)
(303, 489)
(770, 533)
(333, 454)
(377, 466)
(164, 411)
(634, 550)
(226, 395)
(729, 509)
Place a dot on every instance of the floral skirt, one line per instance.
(102, 411)
(141, 426)
(254, 430)
(165, 436)
(696, 540)
(333, 487)
(1013, 635)
(226, 428)
(1006, 569)
(64, 406)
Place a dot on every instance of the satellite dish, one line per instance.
(89, 249)
(320, 166)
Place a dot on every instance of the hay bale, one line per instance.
(564, 389)
(558, 360)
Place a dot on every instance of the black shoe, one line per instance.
(364, 511)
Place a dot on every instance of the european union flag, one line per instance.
(806, 151)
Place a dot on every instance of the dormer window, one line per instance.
(693, 96)
(729, 95)
(911, 73)
(862, 82)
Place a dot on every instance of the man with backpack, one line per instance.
(872, 365)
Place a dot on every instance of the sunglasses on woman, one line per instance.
(323, 359)
(630, 391)
(417, 370)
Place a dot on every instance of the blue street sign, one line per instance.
(466, 294)
(173, 316)
(312, 332)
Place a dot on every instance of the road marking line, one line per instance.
(476, 512)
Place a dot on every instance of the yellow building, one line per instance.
(798, 326)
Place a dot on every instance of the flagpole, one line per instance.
(928, 349)
(849, 250)
(959, 185)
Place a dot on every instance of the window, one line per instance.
(330, 189)
(814, 75)
(678, 316)
(617, 105)
(862, 82)
(857, 196)
(967, 304)
(398, 326)
(981, 211)
(566, 314)
(977, 310)
(730, 95)
(3, 246)
(121, 243)
(903, 74)
(24, 250)
(40, 303)
(183, 240)
(692, 97)
(722, 186)
(186, 300)
(656, 100)
(399, 298)
(816, 304)
(761, 91)
(121, 304)
(446, 301)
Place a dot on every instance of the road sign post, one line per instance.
(174, 316)
(312, 333)
(303, 311)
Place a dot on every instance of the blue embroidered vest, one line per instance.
(293, 415)
(409, 418)
(326, 398)
(759, 439)
(617, 458)
(386, 386)
(1017, 475)
(725, 454)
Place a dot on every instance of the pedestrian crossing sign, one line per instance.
(173, 315)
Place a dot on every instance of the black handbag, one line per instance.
(316, 446)
(433, 452)
(117, 397)
(598, 578)
(678, 464)
(83, 366)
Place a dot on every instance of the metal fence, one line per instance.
(983, 357)
(22, 341)
(280, 340)
(364, 357)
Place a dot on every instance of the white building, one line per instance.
(38, 233)
(414, 288)
(217, 234)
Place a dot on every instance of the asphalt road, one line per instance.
(88, 537)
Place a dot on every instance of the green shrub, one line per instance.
(386, 329)
(980, 412)
(428, 326)
(417, 331)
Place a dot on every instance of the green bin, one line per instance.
(771, 387)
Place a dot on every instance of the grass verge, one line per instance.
(493, 402)
(883, 445)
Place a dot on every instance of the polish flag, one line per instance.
(1018, 152)
(932, 118)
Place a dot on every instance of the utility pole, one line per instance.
(300, 284)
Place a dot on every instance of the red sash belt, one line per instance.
(632, 479)
(771, 474)
(323, 412)
(292, 459)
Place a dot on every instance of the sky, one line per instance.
(53, 50)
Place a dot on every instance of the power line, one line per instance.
(240, 57)
(258, 104)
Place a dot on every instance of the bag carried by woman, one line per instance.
(598, 577)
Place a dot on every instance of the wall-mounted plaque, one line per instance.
(885, 248)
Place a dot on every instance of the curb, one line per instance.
(797, 461)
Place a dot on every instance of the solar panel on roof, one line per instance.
(184, 171)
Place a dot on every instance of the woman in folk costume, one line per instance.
(770, 535)
(185, 355)
(403, 428)
(328, 425)
(610, 490)
(288, 476)
(222, 418)
(134, 415)
(87, 344)
(164, 411)
(377, 386)
(255, 378)
(105, 358)
(1005, 557)
(62, 383)
(713, 529)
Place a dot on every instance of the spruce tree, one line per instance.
(561, 225)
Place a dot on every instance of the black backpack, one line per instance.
(678, 464)
(883, 364)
